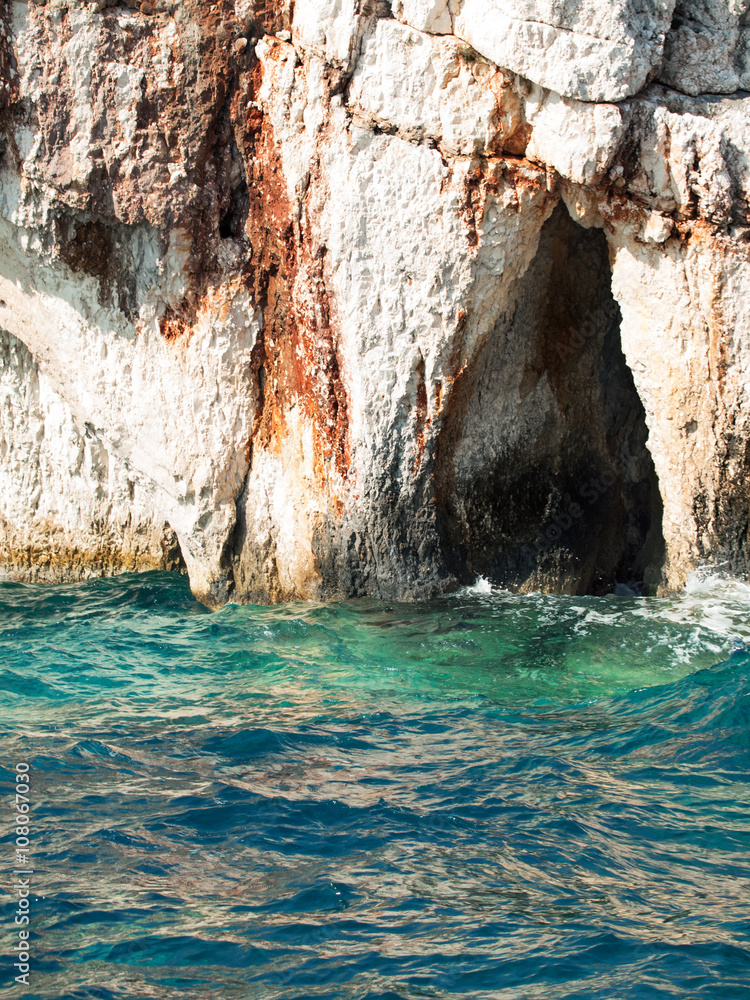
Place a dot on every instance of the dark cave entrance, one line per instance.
(544, 479)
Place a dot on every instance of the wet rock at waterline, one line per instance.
(340, 300)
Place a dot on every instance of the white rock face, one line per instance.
(589, 50)
(175, 413)
(684, 333)
(390, 233)
(691, 155)
(425, 88)
(370, 304)
(329, 30)
(576, 139)
(70, 508)
(433, 16)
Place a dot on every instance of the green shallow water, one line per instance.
(487, 795)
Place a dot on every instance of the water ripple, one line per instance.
(484, 796)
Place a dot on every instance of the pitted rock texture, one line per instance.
(708, 48)
(589, 50)
(358, 299)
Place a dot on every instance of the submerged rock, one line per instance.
(354, 299)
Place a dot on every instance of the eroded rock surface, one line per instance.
(358, 299)
(70, 507)
(585, 49)
(708, 48)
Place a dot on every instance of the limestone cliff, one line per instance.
(357, 298)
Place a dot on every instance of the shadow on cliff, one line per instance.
(543, 475)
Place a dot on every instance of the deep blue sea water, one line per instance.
(487, 795)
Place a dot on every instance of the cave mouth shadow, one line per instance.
(544, 480)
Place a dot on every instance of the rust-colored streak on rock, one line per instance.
(438, 395)
(270, 16)
(524, 176)
(172, 327)
(490, 176)
(317, 369)
(297, 362)
(703, 239)
(474, 201)
(273, 253)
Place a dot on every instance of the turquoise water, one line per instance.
(484, 796)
